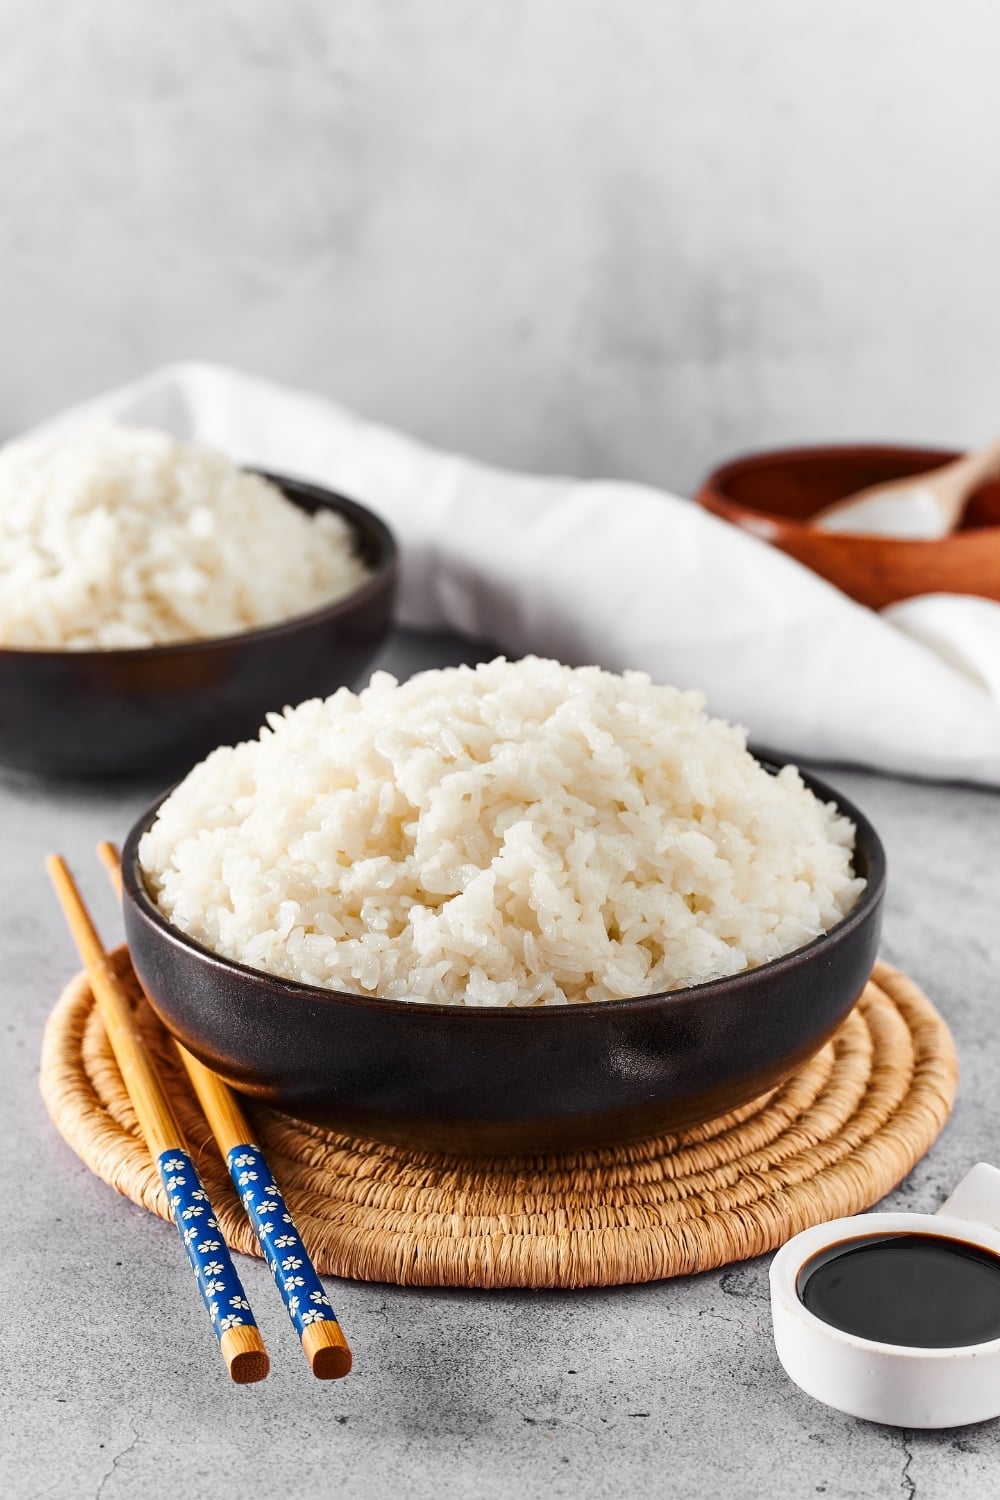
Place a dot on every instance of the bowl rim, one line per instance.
(797, 452)
(142, 903)
(365, 522)
(712, 486)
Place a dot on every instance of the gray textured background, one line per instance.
(614, 239)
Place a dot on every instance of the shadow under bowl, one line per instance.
(506, 1081)
(776, 494)
(101, 713)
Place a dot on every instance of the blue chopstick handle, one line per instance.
(294, 1273)
(218, 1280)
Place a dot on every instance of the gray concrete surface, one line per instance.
(561, 235)
(111, 1385)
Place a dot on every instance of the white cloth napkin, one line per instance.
(624, 576)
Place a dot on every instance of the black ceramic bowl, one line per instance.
(100, 713)
(506, 1080)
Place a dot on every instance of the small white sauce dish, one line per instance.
(899, 1384)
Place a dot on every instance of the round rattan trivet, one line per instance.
(830, 1141)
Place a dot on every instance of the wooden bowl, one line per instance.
(131, 712)
(506, 1081)
(774, 495)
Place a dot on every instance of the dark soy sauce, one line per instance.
(920, 1290)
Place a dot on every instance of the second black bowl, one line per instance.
(506, 1081)
(159, 708)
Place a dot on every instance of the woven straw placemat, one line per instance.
(832, 1140)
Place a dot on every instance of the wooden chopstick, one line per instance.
(295, 1276)
(222, 1291)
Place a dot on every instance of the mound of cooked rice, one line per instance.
(119, 537)
(520, 833)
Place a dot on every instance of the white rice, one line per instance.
(119, 537)
(515, 834)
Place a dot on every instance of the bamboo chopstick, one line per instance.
(295, 1276)
(220, 1286)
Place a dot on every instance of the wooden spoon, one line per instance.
(922, 507)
